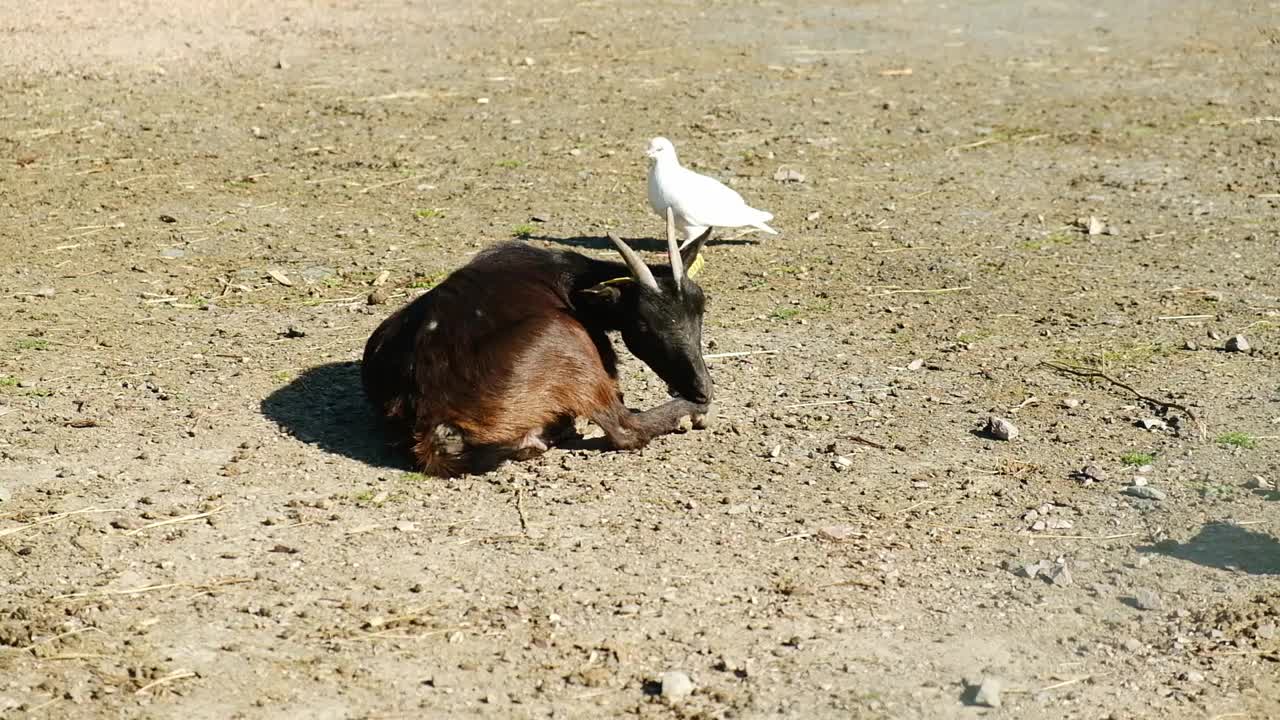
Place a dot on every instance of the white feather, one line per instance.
(699, 201)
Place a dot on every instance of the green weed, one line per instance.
(1238, 439)
(1137, 459)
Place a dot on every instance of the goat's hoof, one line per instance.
(448, 439)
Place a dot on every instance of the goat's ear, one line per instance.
(692, 254)
(607, 292)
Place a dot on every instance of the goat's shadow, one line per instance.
(325, 406)
(644, 244)
(1227, 547)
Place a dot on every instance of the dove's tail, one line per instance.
(766, 228)
(762, 217)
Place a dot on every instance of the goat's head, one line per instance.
(661, 316)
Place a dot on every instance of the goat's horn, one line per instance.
(641, 271)
(673, 250)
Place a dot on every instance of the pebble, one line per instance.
(1191, 345)
(676, 685)
(1001, 428)
(172, 253)
(378, 296)
(1146, 599)
(988, 694)
(1193, 676)
(1152, 424)
(1095, 226)
(1093, 473)
(1072, 403)
(838, 533)
(1237, 343)
(318, 273)
(1266, 631)
(1145, 491)
(1058, 574)
(916, 364)
(1132, 645)
(786, 175)
(775, 451)
(841, 463)
(293, 331)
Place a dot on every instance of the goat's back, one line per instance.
(474, 350)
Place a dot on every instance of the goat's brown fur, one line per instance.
(506, 351)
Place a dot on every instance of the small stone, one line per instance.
(1213, 335)
(1132, 645)
(775, 452)
(988, 694)
(1193, 676)
(318, 273)
(378, 297)
(676, 685)
(1145, 491)
(1001, 428)
(482, 101)
(1038, 526)
(257, 132)
(1059, 574)
(1072, 403)
(1152, 424)
(787, 175)
(1237, 343)
(406, 526)
(813, 215)
(172, 253)
(540, 218)
(1259, 483)
(1144, 469)
(1094, 226)
(841, 463)
(417, 588)
(168, 219)
(1191, 345)
(1034, 569)
(293, 331)
(575, 152)
(282, 64)
(915, 364)
(1058, 523)
(838, 533)
(1094, 473)
(1139, 481)
(1145, 599)
(1266, 631)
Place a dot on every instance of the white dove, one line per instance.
(699, 202)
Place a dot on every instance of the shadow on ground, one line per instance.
(644, 244)
(325, 407)
(1227, 547)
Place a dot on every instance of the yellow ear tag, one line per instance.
(694, 267)
(618, 281)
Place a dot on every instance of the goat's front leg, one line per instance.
(628, 430)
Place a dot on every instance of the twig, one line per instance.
(179, 675)
(171, 521)
(869, 443)
(800, 536)
(524, 525)
(1034, 536)
(842, 401)
(739, 354)
(1065, 683)
(1186, 317)
(53, 518)
(936, 291)
(59, 636)
(152, 588)
(1090, 373)
(391, 182)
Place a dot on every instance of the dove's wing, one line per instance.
(708, 202)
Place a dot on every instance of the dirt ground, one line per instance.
(197, 519)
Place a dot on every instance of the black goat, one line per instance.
(501, 357)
